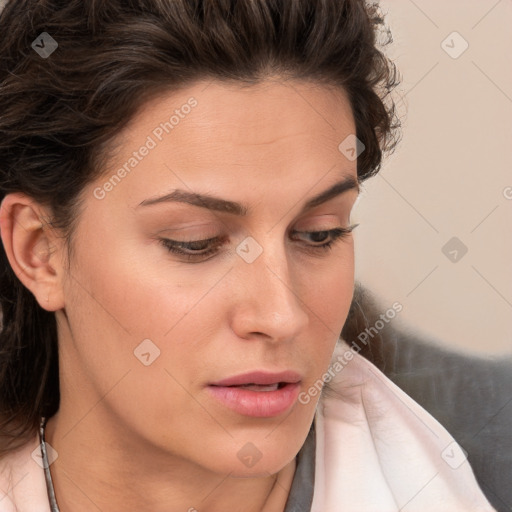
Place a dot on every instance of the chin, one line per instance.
(260, 470)
(252, 462)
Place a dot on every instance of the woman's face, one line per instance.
(145, 331)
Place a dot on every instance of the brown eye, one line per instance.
(191, 249)
(333, 235)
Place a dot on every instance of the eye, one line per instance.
(202, 249)
(331, 235)
(191, 249)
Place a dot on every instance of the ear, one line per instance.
(34, 251)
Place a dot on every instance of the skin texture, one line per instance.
(137, 437)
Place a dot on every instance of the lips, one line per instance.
(258, 394)
(260, 378)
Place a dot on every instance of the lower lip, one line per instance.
(261, 404)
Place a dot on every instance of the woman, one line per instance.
(177, 182)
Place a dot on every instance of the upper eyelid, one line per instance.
(220, 239)
(337, 225)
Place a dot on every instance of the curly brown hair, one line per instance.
(60, 114)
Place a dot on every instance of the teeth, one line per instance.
(260, 387)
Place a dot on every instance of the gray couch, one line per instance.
(470, 396)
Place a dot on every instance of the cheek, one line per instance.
(135, 336)
(330, 296)
(132, 289)
(329, 289)
(121, 296)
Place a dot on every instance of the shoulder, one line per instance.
(22, 481)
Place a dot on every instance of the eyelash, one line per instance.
(175, 246)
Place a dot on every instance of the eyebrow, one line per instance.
(234, 208)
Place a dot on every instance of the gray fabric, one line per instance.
(301, 492)
(470, 396)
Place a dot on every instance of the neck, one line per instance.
(103, 472)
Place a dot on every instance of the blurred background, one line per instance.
(435, 228)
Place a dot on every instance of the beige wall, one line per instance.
(448, 178)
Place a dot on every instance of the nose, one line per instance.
(269, 298)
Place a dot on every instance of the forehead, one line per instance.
(214, 136)
(208, 113)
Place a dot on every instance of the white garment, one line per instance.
(377, 450)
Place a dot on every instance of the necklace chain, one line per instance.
(46, 466)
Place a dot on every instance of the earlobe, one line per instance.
(31, 248)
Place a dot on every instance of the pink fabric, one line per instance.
(376, 450)
(22, 482)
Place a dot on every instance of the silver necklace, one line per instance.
(46, 466)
